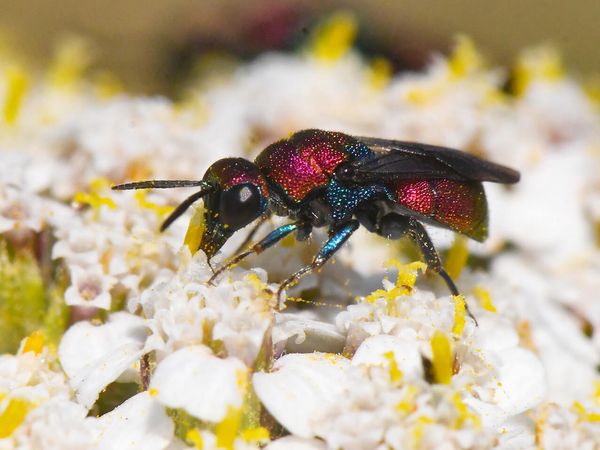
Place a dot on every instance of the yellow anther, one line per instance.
(395, 372)
(457, 256)
(463, 413)
(407, 404)
(194, 437)
(459, 314)
(442, 358)
(93, 198)
(228, 429)
(419, 430)
(195, 229)
(422, 95)
(380, 72)
(407, 277)
(288, 241)
(159, 210)
(17, 85)
(34, 343)
(539, 63)
(334, 37)
(12, 416)
(72, 59)
(485, 299)
(465, 59)
(591, 87)
(107, 84)
(584, 414)
(257, 434)
(407, 273)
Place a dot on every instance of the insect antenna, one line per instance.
(168, 184)
(183, 206)
(159, 184)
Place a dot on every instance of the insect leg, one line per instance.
(418, 233)
(271, 239)
(248, 238)
(333, 244)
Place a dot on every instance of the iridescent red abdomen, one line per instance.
(460, 205)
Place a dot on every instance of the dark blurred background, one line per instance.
(151, 44)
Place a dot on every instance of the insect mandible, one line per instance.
(329, 179)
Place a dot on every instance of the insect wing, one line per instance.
(412, 160)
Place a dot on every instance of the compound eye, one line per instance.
(240, 205)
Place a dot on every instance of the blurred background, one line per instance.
(151, 46)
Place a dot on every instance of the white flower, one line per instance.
(95, 356)
(89, 287)
(300, 388)
(202, 384)
(58, 424)
(377, 351)
(139, 423)
(183, 311)
(296, 443)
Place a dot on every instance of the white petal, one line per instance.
(302, 334)
(95, 356)
(300, 387)
(139, 423)
(408, 358)
(200, 383)
(521, 381)
(296, 443)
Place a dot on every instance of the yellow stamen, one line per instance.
(597, 392)
(464, 413)
(442, 358)
(12, 416)
(257, 434)
(395, 372)
(17, 85)
(288, 241)
(228, 429)
(334, 37)
(419, 430)
(107, 84)
(195, 229)
(159, 210)
(459, 314)
(591, 87)
(407, 404)
(93, 198)
(255, 281)
(540, 63)
(407, 277)
(584, 414)
(457, 256)
(465, 59)
(72, 59)
(194, 437)
(34, 343)
(422, 95)
(153, 392)
(380, 72)
(485, 299)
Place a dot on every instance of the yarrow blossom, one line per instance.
(135, 350)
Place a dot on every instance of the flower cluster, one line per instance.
(136, 350)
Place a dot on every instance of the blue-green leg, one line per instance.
(337, 238)
(271, 239)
